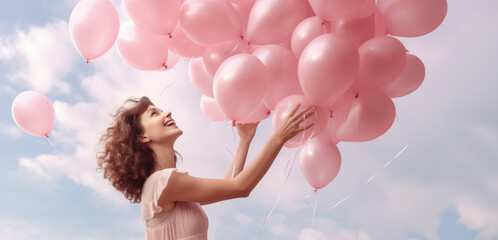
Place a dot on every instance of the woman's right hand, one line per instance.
(289, 127)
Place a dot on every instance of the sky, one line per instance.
(443, 186)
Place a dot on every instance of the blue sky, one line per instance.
(443, 186)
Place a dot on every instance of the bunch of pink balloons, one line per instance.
(253, 57)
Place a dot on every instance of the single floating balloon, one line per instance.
(34, 113)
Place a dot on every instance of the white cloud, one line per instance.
(19, 229)
(10, 131)
(42, 57)
(479, 216)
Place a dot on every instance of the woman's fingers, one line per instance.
(295, 109)
(302, 112)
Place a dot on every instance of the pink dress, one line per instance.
(187, 220)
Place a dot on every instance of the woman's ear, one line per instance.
(144, 139)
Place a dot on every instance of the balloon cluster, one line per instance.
(254, 57)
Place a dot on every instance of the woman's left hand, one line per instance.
(247, 130)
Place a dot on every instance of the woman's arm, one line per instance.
(239, 160)
(182, 187)
(246, 132)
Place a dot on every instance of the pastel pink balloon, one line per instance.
(334, 9)
(410, 79)
(320, 163)
(282, 72)
(215, 54)
(360, 26)
(261, 113)
(209, 21)
(306, 31)
(210, 109)
(159, 17)
(327, 68)
(285, 106)
(382, 60)
(240, 85)
(274, 21)
(382, 5)
(142, 49)
(170, 63)
(243, 11)
(181, 45)
(414, 18)
(370, 116)
(243, 2)
(33, 113)
(93, 27)
(339, 111)
(357, 30)
(380, 24)
(199, 78)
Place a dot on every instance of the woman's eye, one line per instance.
(153, 113)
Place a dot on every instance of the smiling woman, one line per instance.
(140, 161)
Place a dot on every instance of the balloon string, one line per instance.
(287, 174)
(233, 157)
(370, 179)
(51, 143)
(167, 86)
(315, 193)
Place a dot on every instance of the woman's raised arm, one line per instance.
(182, 187)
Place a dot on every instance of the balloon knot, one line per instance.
(233, 123)
(249, 43)
(357, 95)
(87, 61)
(315, 190)
(169, 34)
(241, 37)
(165, 66)
(331, 114)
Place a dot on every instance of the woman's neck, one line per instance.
(164, 157)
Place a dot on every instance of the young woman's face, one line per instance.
(158, 126)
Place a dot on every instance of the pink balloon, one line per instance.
(334, 9)
(382, 5)
(215, 54)
(306, 31)
(180, 44)
(327, 68)
(243, 11)
(93, 27)
(199, 78)
(381, 61)
(210, 109)
(357, 29)
(285, 106)
(159, 17)
(243, 2)
(410, 79)
(240, 85)
(380, 24)
(370, 116)
(282, 72)
(33, 113)
(170, 63)
(339, 111)
(273, 21)
(320, 163)
(142, 49)
(261, 113)
(209, 21)
(414, 18)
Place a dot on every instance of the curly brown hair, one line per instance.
(126, 161)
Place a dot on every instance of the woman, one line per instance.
(139, 160)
